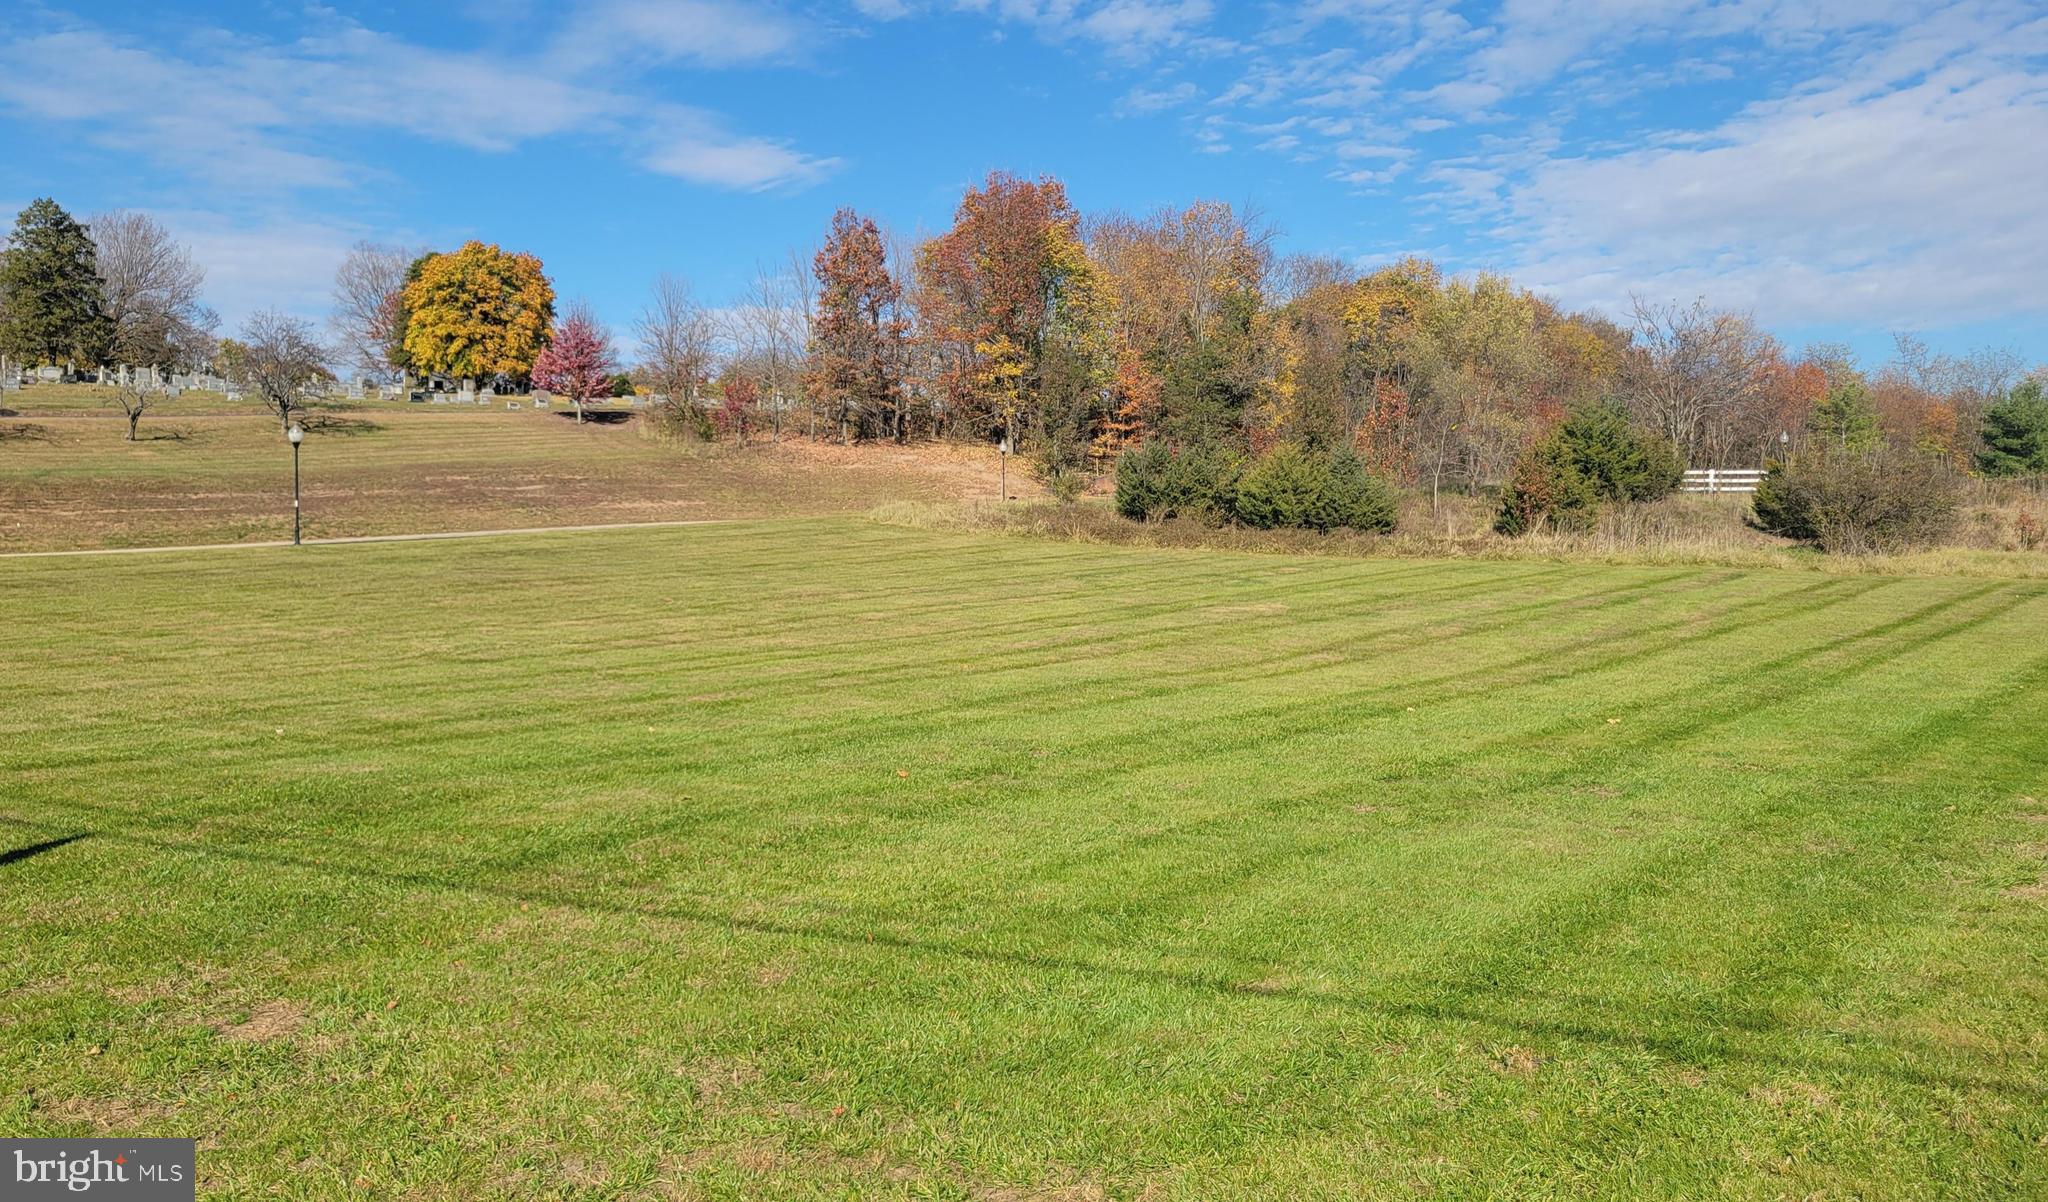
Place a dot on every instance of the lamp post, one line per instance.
(297, 435)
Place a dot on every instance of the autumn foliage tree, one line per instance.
(990, 285)
(858, 332)
(1023, 315)
(738, 394)
(478, 311)
(578, 363)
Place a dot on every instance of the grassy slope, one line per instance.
(782, 861)
(71, 481)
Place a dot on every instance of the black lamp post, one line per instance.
(297, 435)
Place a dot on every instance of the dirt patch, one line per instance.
(1084, 1192)
(112, 1116)
(267, 1023)
(2038, 891)
(1793, 1093)
(1516, 1062)
(713, 1078)
(758, 1157)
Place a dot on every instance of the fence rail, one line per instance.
(1719, 480)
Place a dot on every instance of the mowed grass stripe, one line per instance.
(1179, 894)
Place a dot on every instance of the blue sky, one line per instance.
(1844, 168)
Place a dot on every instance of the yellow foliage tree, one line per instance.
(478, 312)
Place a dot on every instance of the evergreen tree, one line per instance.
(1595, 456)
(1845, 419)
(50, 293)
(2015, 433)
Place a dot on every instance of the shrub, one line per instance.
(1154, 481)
(1546, 485)
(2015, 433)
(1289, 486)
(1858, 502)
(676, 420)
(622, 385)
(1060, 463)
(1595, 456)
(1317, 490)
(1282, 488)
(1141, 481)
(1353, 498)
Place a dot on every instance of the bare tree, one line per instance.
(280, 358)
(368, 318)
(769, 331)
(678, 341)
(151, 292)
(803, 304)
(1698, 375)
(135, 397)
(1294, 276)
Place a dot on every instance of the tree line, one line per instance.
(1078, 338)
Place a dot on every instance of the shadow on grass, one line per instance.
(322, 423)
(18, 854)
(1704, 1040)
(599, 417)
(21, 431)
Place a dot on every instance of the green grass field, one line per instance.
(817, 859)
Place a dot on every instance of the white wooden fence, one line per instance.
(1717, 480)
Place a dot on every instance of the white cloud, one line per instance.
(1916, 204)
(695, 149)
(1153, 100)
(235, 110)
(714, 33)
(268, 263)
(1129, 29)
(1142, 24)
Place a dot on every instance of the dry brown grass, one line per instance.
(214, 477)
(1686, 529)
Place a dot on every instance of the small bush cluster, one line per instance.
(676, 420)
(1594, 458)
(1859, 502)
(1155, 481)
(1288, 487)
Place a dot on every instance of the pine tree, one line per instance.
(50, 293)
(2015, 433)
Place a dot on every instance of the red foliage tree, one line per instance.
(858, 333)
(987, 284)
(579, 363)
(739, 396)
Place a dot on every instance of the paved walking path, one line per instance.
(370, 538)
